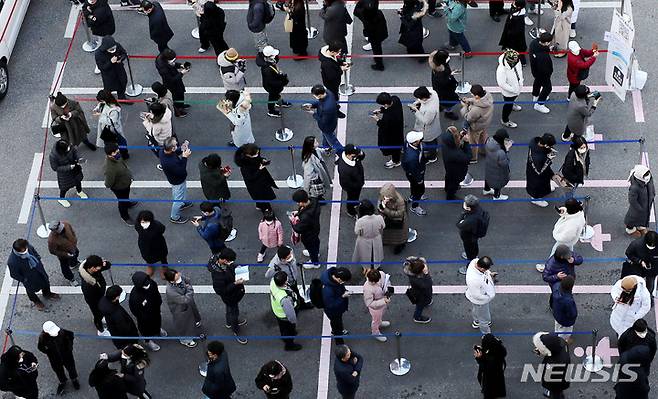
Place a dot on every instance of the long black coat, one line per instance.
(159, 29)
(513, 36)
(411, 30)
(104, 23)
(445, 84)
(67, 178)
(219, 382)
(213, 21)
(390, 129)
(213, 183)
(299, 35)
(538, 172)
(171, 76)
(640, 199)
(113, 73)
(133, 374)
(93, 285)
(21, 378)
(259, 182)
(223, 283)
(336, 18)
(119, 322)
(455, 159)
(152, 243)
(145, 306)
(374, 22)
(491, 374)
(32, 279)
(629, 339)
(639, 388)
(572, 170)
(274, 80)
(59, 349)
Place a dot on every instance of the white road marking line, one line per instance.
(46, 117)
(638, 106)
(71, 22)
(30, 188)
(7, 286)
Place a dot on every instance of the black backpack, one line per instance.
(269, 12)
(483, 224)
(225, 223)
(315, 293)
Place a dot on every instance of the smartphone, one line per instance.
(185, 146)
(265, 162)
(389, 292)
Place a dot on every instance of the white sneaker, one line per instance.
(64, 203)
(528, 21)
(540, 203)
(540, 267)
(509, 124)
(306, 253)
(367, 47)
(260, 258)
(419, 211)
(516, 107)
(385, 324)
(488, 192)
(202, 50)
(380, 338)
(189, 344)
(97, 71)
(572, 33)
(310, 266)
(542, 108)
(468, 180)
(104, 333)
(231, 237)
(163, 332)
(152, 346)
(391, 164)
(501, 197)
(426, 32)
(83, 195)
(535, 98)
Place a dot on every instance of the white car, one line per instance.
(12, 13)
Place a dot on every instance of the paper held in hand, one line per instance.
(242, 272)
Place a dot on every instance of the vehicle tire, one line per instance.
(4, 79)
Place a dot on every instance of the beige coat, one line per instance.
(373, 293)
(478, 112)
(368, 246)
(395, 215)
(561, 28)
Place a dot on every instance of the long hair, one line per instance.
(308, 148)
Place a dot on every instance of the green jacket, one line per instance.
(117, 174)
(456, 16)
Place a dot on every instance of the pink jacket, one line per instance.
(373, 294)
(271, 235)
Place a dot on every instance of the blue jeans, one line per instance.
(179, 194)
(459, 38)
(329, 139)
(418, 313)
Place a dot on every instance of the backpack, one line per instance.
(315, 293)
(269, 12)
(225, 223)
(483, 225)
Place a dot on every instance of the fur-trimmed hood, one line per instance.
(548, 344)
(85, 275)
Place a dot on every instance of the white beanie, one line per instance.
(414, 136)
(574, 47)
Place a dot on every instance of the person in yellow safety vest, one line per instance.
(283, 301)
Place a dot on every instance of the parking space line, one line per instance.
(638, 106)
(30, 188)
(70, 24)
(59, 68)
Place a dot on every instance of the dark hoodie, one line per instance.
(259, 182)
(145, 305)
(106, 382)
(213, 182)
(639, 388)
(213, 20)
(113, 73)
(103, 25)
(119, 322)
(93, 285)
(556, 359)
(541, 63)
(455, 159)
(443, 82)
(20, 378)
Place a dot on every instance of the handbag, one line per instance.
(287, 23)
(316, 188)
(109, 134)
(583, 74)
(57, 129)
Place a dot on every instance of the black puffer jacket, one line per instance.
(259, 182)
(223, 282)
(119, 322)
(455, 159)
(99, 18)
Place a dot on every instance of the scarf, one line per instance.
(31, 259)
(581, 158)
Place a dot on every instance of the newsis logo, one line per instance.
(578, 373)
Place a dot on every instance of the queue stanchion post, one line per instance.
(593, 363)
(537, 30)
(282, 134)
(346, 88)
(43, 231)
(305, 296)
(92, 43)
(399, 365)
(463, 87)
(123, 295)
(294, 180)
(311, 32)
(588, 231)
(203, 366)
(10, 334)
(133, 90)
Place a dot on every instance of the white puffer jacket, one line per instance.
(568, 228)
(509, 79)
(623, 316)
(480, 288)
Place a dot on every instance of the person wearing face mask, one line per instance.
(63, 243)
(556, 359)
(477, 112)
(274, 380)
(173, 159)
(509, 76)
(368, 246)
(232, 70)
(212, 24)
(632, 301)
(151, 242)
(456, 18)
(118, 178)
(270, 233)
(236, 108)
(109, 59)
(538, 170)
(57, 344)
(284, 260)
(99, 18)
(283, 301)
(412, 31)
(643, 257)
(351, 176)
(332, 66)
(317, 181)
(444, 82)
(568, 228)
(541, 67)
(579, 61)
(68, 114)
(209, 226)
(159, 29)
(274, 81)
(420, 281)
(472, 225)
(390, 127)
(576, 164)
(219, 383)
(414, 164)
(305, 222)
(25, 266)
(119, 322)
(157, 123)
(231, 290)
(181, 303)
(20, 372)
(133, 360)
(93, 287)
(325, 112)
(427, 114)
(64, 160)
(144, 303)
(456, 153)
(257, 177)
(172, 73)
(110, 126)
(393, 207)
(497, 170)
(581, 107)
(513, 36)
(641, 195)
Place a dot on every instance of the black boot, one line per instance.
(76, 384)
(60, 388)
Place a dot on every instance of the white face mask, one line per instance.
(145, 225)
(466, 208)
(146, 287)
(650, 247)
(172, 62)
(582, 150)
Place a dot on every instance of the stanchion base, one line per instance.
(536, 32)
(463, 88)
(295, 181)
(43, 231)
(134, 90)
(122, 297)
(413, 234)
(195, 33)
(203, 368)
(588, 233)
(91, 46)
(400, 366)
(345, 90)
(311, 33)
(231, 237)
(593, 364)
(283, 135)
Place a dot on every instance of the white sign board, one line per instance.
(620, 53)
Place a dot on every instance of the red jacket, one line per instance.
(576, 63)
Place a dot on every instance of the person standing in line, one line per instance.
(270, 233)
(538, 171)
(326, 113)
(421, 283)
(477, 112)
(490, 356)
(283, 301)
(209, 226)
(317, 181)
(133, 360)
(581, 107)
(427, 116)
(541, 67)
(374, 29)
(274, 81)
(643, 256)
(145, 302)
(509, 76)
(119, 178)
(347, 369)
(641, 195)
(414, 163)
(298, 39)
(351, 176)
(576, 164)
(513, 36)
(214, 179)
(473, 225)
(561, 264)
(579, 61)
(63, 243)
(66, 163)
(158, 126)
(393, 207)
(336, 298)
(456, 22)
(556, 360)
(231, 290)
(332, 66)
(109, 59)
(336, 18)
(259, 14)
(159, 29)
(305, 222)
(274, 380)
(412, 31)
(457, 154)
(632, 301)
(98, 17)
(218, 383)
(444, 82)
(480, 291)
(151, 242)
(284, 260)
(390, 127)
(639, 334)
(257, 178)
(57, 344)
(561, 26)
(93, 287)
(119, 322)
(368, 228)
(497, 165)
(106, 382)
(21, 372)
(211, 28)
(173, 159)
(568, 228)
(236, 107)
(376, 298)
(564, 307)
(180, 300)
(70, 118)
(633, 379)
(232, 70)
(110, 126)
(163, 96)
(26, 268)
(171, 73)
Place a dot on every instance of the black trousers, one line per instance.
(452, 185)
(312, 245)
(417, 190)
(395, 156)
(78, 188)
(32, 295)
(217, 41)
(66, 263)
(98, 316)
(233, 316)
(471, 248)
(336, 322)
(541, 88)
(508, 107)
(67, 362)
(572, 87)
(162, 45)
(272, 99)
(353, 195)
(496, 7)
(287, 329)
(487, 187)
(123, 205)
(179, 99)
(377, 50)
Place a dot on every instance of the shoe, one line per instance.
(435, 14)
(60, 388)
(181, 220)
(496, 18)
(385, 324)
(353, 215)
(104, 333)
(83, 195)
(340, 114)
(293, 347)
(528, 21)
(391, 164)
(189, 344)
(97, 71)
(540, 267)
(426, 32)
(260, 258)
(432, 160)
(462, 270)
(186, 206)
(40, 306)
(284, 104)
(449, 46)
(468, 180)
(509, 124)
(74, 283)
(159, 167)
(376, 67)
(541, 108)
(53, 297)
(76, 383)
(488, 192)
(367, 47)
(540, 203)
(232, 235)
(572, 33)
(473, 4)
(475, 325)
(423, 320)
(240, 323)
(547, 393)
(310, 266)
(345, 332)
(501, 197)
(180, 114)
(516, 107)
(163, 332)
(274, 114)
(418, 211)
(202, 50)
(64, 203)
(380, 338)
(197, 324)
(306, 253)
(129, 222)
(463, 255)
(241, 340)
(152, 346)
